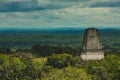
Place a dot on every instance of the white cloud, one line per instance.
(71, 14)
(15, 0)
(68, 17)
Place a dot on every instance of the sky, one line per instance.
(59, 13)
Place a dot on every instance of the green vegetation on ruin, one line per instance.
(54, 55)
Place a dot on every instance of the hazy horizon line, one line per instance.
(62, 28)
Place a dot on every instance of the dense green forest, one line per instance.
(73, 38)
(54, 55)
(59, 67)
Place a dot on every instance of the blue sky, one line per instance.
(59, 13)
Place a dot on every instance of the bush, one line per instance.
(63, 60)
(59, 60)
(68, 73)
(34, 67)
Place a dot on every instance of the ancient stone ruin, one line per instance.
(91, 48)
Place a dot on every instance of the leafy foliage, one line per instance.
(59, 66)
(68, 73)
(44, 50)
(56, 62)
(62, 60)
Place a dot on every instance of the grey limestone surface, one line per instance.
(92, 48)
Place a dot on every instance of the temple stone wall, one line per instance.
(93, 56)
(91, 48)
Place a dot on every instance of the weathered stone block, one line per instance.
(91, 48)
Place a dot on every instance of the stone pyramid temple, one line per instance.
(91, 47)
